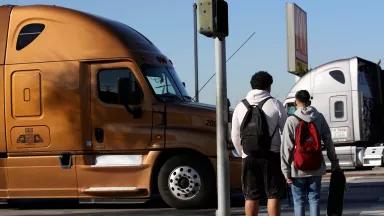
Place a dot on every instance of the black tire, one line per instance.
(180, 188)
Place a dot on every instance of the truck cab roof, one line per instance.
(41, 33)
(334, 76)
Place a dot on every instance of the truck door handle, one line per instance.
(99, 135)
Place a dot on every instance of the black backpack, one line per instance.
(254, 130)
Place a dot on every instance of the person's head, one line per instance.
(303, 99)
(262, 80)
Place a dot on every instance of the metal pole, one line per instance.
(195, 52)
(221, 130)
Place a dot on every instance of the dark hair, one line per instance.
(304, 97)
(261, 80)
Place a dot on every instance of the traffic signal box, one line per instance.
(213, 18)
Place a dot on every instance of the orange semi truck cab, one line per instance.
(91, 109)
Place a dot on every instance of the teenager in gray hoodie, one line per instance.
(305, 184)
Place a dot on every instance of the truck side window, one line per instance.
(107, 83)
(338, 76)
(339, 109)
(28, 34)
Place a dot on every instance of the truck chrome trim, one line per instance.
(118, 160)
(110, 189)
(373, 156)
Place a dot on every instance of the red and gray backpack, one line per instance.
(307, 151)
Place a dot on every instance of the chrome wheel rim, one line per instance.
(184, 182)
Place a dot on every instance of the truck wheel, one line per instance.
(186, 181)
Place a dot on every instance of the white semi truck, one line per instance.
(349, 93)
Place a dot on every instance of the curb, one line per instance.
(367, 174)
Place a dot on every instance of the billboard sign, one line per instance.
(297, 40)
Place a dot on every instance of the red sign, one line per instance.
(301, 48)
(297, 40)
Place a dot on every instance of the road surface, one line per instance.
(364, 196)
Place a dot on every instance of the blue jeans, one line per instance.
(306, 189)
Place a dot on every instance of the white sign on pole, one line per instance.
(297, 40)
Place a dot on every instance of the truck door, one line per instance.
(339, 118)
(120, 131)
(116, 125)
(338, 108)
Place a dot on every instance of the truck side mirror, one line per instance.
(130, 95)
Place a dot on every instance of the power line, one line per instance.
(228, 60)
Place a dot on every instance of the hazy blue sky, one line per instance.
(336, 29)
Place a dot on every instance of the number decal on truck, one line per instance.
(210, 123)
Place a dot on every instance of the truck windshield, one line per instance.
(165, 83)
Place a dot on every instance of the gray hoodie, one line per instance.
(308, 114)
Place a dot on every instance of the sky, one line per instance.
(336, 29)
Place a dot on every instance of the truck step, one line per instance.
(111, 189)
(112, 201)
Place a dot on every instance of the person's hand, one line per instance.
(289, 180)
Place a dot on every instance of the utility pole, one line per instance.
(223, 186)
(196, 55)
(213, 22)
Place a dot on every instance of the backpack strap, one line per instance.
(298, 118)
(261, 103)
(273, 134)
(246, 104)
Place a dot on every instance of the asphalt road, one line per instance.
(364, 196)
